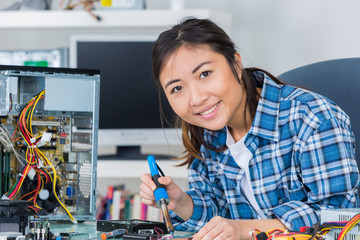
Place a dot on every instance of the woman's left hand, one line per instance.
(221, 228)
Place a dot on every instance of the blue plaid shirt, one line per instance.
(303, 160)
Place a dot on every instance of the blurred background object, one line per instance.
(123, 4)
(31, 5)
(177, 5)
(88, 5)
(70, 5)
(39, 58)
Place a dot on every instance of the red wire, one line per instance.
(27, 194)
(162, 232)
(20, 182)
(34, 208)
(45, 174)
(37, 188)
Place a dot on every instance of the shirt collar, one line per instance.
(266, 122)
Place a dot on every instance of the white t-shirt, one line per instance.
(242, 156)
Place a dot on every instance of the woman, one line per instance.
(261, 154)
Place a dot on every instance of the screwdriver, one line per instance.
(113, 234)
(161, 196)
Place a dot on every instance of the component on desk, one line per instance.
(131, 225)
(133, 236)
(261, 236)
(117, 233)
(14, 215)
(61, 237)
(66, 235)
(12, 236)
(39, 230)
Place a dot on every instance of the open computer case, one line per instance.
(49, 121)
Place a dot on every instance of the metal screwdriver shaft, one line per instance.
(161, 196)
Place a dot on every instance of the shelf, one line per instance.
(135, 168)
(110, 18)
(26, 30)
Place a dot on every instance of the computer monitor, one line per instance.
(129, 108)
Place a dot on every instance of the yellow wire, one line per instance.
(33, 108)
(29, 120)
(42, 184)
(31, 154)
(26, 154)
(61, 159)
(349, 228)
(20, 120)
(48, 174)
(54, 187)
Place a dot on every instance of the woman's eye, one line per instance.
(205, 74)
(176, 89)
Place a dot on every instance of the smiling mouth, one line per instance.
(210, 110)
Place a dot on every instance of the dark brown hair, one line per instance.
(194, 32)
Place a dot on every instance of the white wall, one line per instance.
(277, 35)
(280, 35)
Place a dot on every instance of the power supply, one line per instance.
(338, 215)
(49, 120)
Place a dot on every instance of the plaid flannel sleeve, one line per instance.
(206, 199)
(330, 175)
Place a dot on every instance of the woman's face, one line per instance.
(202, 89)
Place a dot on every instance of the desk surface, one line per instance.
(87, 230)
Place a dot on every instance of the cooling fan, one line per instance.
(45, 199)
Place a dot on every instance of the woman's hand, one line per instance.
(178, 198)
(221, 228)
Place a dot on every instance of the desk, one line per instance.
(87, 230)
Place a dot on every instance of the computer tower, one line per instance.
(49, 120)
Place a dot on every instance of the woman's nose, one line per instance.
(198, 96)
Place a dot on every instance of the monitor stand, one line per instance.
(132, 153)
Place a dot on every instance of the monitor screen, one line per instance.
(129, 107)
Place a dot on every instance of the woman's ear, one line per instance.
(237, 64)
(238, 59)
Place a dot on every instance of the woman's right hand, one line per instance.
(148, 187)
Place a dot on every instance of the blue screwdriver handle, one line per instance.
(153, 166)
(160, 191)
